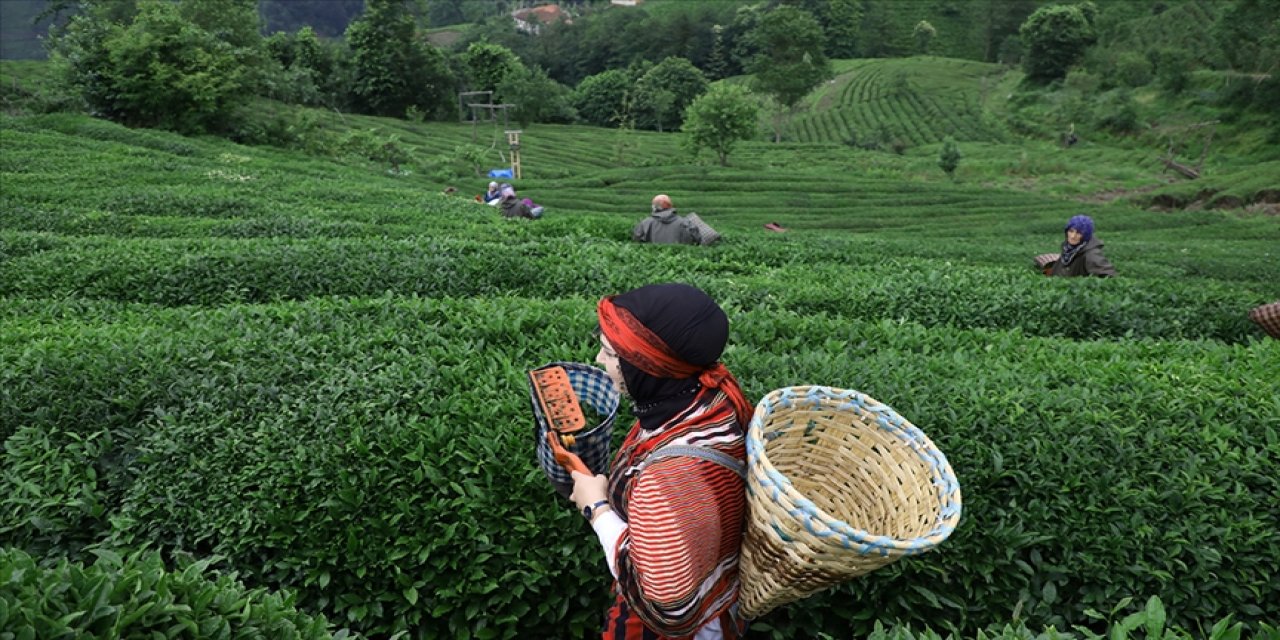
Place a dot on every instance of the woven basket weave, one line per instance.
(706, 233)
(1044, 259)
(1268, 317)
(596, 392)
(838, 485)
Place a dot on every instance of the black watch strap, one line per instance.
(590, 510)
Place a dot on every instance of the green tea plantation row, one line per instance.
(137, 596)
(375, 455)
(838, 277)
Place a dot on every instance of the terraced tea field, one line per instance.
(310, 370)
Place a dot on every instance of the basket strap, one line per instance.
(706, 453)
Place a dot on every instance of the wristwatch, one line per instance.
(590, 510)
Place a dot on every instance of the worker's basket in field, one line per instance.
(838, 485)
(1268, 317)
(1045, 259)
(599, 398)
(706, 235)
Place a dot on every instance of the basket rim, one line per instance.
(947, 487)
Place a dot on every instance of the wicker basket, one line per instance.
(1268, 317)
(838, 486)
(706, 233)
(1045, 259)
(596, 392)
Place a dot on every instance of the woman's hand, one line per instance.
(588, 490)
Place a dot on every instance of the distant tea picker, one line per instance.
(710, 514)
(664, 226)
(1081, 253)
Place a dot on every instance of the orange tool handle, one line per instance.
(567, 459)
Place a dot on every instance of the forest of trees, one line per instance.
(193, 65)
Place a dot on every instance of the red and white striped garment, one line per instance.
(677, 560)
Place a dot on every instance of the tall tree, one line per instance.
(1249, 33)
(157, 68)
(665, 90)
(999, 20)
(1055, 37)
(537, 97)
(844, 18)
(877, 32)
(488, 64)
(602, 99)
(791, 62)
(924, 34)
(719, 119)
(394, 69)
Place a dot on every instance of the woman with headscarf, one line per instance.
(663, 226)
(1081, 252)
(513, 207)
(671, 513)
(492, 195)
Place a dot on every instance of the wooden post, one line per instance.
(513, 141)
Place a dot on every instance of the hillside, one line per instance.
(304, 365)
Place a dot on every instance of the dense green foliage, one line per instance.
(170, 66)
(306, 70)
(949, 157)
(393, 69)
(136, 596)
(341, 349)
(1055, 38)
(299, 366)
(664, 92)
(488, 65)
(605, 99)
(719, 119)
(789, 61)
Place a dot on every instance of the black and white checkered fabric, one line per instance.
(1043, 260)
(596, 392)
(1268, 317)
(707, 235)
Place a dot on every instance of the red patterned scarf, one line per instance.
(639, 346)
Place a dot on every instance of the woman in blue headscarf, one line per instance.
(1081, 252)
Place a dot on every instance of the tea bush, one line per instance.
(211, 272)
(135, 595)
(354, 441)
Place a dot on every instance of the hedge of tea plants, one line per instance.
(376, 455)
(312, 375)
(137, 596)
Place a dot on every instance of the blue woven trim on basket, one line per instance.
(808, 514)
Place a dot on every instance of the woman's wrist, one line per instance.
(599, 511)
(593, 510)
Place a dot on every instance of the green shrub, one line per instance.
(59, 493)
(159, 70)
(1132, 69)
(1117, 111)
(135, 596)
(949, 157)
(1151, 621)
